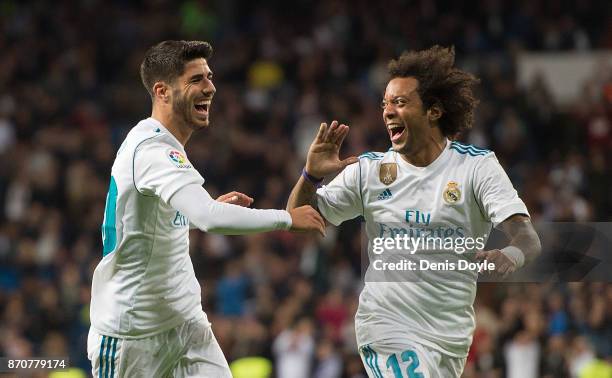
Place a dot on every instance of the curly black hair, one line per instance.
(166, 60)
(440, 83)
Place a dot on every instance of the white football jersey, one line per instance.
(463, 193)
(145, 283)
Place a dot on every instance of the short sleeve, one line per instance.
(340, 200)
(495, 193)
(161, 170)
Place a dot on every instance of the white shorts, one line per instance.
(189, 350)
(408, 360)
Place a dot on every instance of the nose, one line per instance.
(209, 88)
(389, 112)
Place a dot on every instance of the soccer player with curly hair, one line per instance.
(427, 185)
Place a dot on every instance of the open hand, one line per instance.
(236, 198)
(323, 156)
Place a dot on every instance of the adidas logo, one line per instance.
(386, 194)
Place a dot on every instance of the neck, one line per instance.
(176, 127)
(427, 153)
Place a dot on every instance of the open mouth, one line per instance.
(202, 107)
(396, 131)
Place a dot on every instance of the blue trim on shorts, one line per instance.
(112, 372)
(371, 359)
(108, 347)
(100, 360)
(106, 364)
(379, 373)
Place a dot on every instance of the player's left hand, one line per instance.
(503, 265)
(236, 198)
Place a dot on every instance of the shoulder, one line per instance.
(373, 158)
(146, 133)
(154, 139)
(155, 142)
(139, 134)
(469, 150)
(148, 143)
(373, 161)
(468, 155)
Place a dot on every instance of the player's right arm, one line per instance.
(322, 160)
(501, 205)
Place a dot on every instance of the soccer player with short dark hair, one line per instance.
(426, 185)
(146, 312)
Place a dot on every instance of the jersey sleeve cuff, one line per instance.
(285, 221)
(324, 208)
(509, 210)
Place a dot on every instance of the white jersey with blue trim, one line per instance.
(464, 192)
(145, 283)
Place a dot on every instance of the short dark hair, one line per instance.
(166, 60)
(441, 83)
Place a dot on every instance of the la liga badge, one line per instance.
(178, 159)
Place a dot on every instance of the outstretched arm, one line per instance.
(218, 217)
(323, 159)
(155, 174)
(235, 198)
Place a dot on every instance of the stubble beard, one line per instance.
(182, 108)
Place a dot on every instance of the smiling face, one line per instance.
(192, 93)
(406, 120)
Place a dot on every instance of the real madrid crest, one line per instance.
(452, 194)
(388, 173)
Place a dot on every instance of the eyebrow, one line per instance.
(407, 97)
(200, 76)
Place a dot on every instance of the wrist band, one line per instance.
(515, 254)
(311, 179)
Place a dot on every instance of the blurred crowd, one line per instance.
(70, 91)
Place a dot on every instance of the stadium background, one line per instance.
(69, 92)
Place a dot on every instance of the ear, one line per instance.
(161, 91)
(434, 112)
